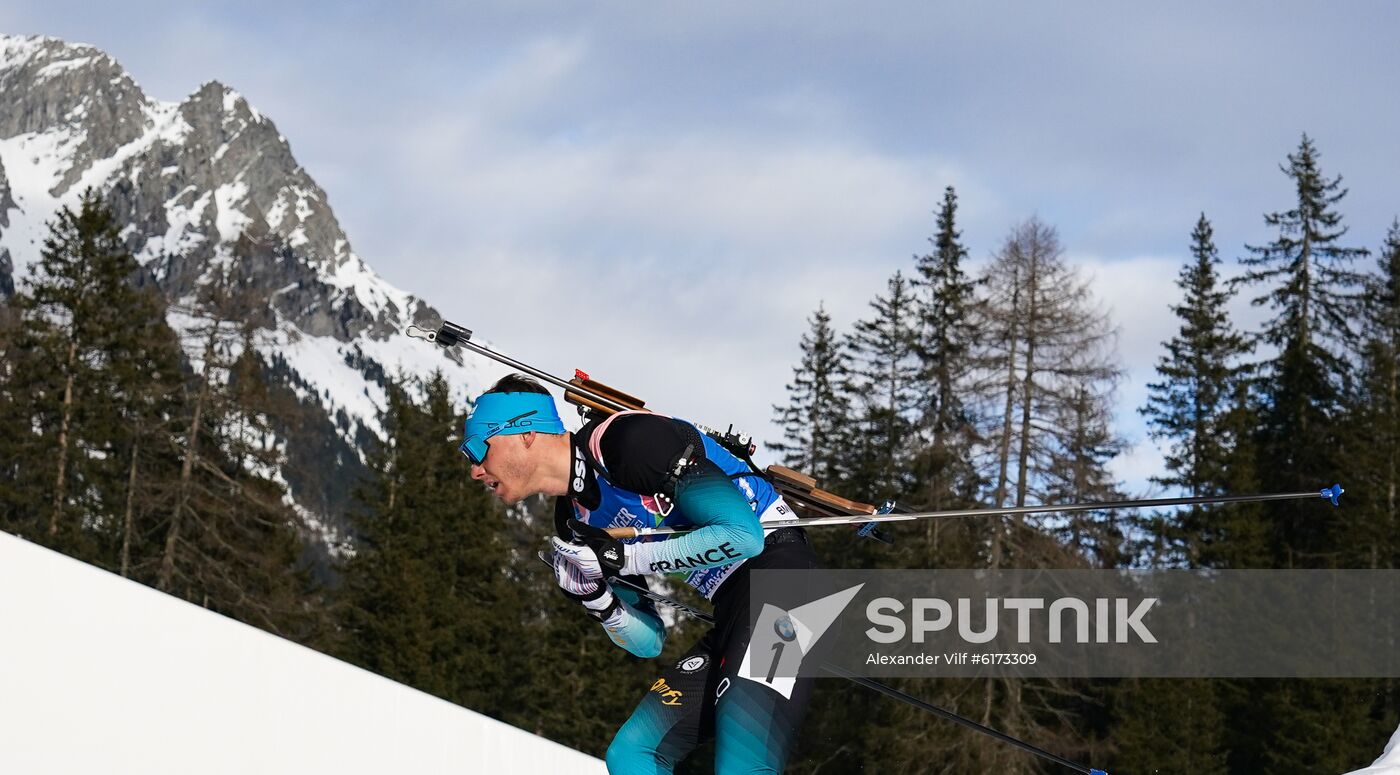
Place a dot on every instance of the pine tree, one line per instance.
(886, 379)
(428, 603)
(147, 379)
(1078, 473)
(1306, 279)
(1190, 404)
(80, 314)
(816, 421)
(946, 345)
(1169, 725)
(1370, 520)
(15, 432)
(229, 537)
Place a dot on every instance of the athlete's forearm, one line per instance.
(729, 530)
(639, 631)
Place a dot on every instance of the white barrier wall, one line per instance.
(102, 675)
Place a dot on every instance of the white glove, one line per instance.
(594, 594)
(570, 577)
(581, 556)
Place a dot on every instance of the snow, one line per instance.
(159, 120)
(62, 66)
(233, 100)
(304, 210)
(167, 123)
(278, 210)
(354, 276)
(320, 361)
(229, 219)
(16, 51)
(179, 689)
(34, 163)
(1389, 763)
(182, 227)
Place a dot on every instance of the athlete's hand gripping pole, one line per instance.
(594, 551)
(593, 594)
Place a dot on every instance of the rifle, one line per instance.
(595, 399)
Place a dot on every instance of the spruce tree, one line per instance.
(147, 379)
(1189, 406)
(817, 418)
(946, 346)
(1078, 473)
(1305, 278)
(229, 538)
(78, 335)
(886, 380)
(1168, 725)
(427, 598)
(14, 433)
(1174, 724)
(1372, 453)
(819, 424)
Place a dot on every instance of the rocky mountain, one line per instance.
(201, 183)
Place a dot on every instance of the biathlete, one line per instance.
(638, 469)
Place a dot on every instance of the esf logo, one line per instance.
(580, 469)
(668, 695)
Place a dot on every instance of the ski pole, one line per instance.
(893, 693)
(1329, 493)
(888, 691)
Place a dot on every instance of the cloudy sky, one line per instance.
(661, 193)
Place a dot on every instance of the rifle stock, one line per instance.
(798, 489)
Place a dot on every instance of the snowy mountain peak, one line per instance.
(199, 184)
(51, 87)
(191, 177)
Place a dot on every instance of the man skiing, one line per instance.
(638, 469)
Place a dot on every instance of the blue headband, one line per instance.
(507, 414)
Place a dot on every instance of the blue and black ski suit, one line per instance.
(626, 475)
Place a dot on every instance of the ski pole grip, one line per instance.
(622, 533)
